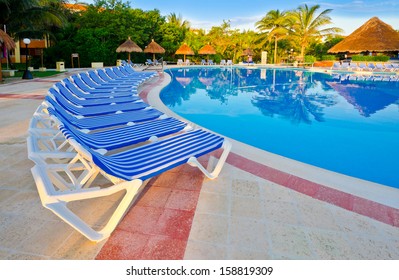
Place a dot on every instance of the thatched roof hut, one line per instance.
(184, 50)
(373, 36)
(129, 46)
(154, 48)
(207, 49)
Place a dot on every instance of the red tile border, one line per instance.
(362, 206)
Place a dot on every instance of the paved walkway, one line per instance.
(243, 214)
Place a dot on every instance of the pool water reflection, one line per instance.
(350, 127)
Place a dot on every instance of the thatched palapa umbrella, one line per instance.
(185, 50)
(154, 48)
(373, 36)
(248, 51)
(5, 42)
(207, 49)
(129, 46)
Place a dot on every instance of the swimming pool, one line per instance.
(343, 125)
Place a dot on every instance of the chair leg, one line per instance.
(215, 173)
(57, 203)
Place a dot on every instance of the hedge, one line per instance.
(382, 58)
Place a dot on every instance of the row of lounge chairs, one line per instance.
(93, 126)
(357, 77)
(362, 66)
(205, 62)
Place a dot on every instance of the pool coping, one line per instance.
(366, 198)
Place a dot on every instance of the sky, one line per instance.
(243, 14)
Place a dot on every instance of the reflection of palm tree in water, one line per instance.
(295, 102)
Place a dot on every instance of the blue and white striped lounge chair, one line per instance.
(95, 76)
(80, 101)
(89, 111)
(371, 66)
(149, 62)
(96, 94)
(144, 143)
(130, 70)
(99, 89)
(115, 138)
(91, 83)
(361, 66)
(104, 75)
(104, 121)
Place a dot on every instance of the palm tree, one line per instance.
(178, 20)
(30, 17)
(275, 26)
(307, 25)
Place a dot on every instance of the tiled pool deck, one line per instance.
(256, 209)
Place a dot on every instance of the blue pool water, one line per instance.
(350, 127)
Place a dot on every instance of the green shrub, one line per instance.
(383, 58)
(310, 59)
(328, 57)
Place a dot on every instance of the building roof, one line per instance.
(373, 36)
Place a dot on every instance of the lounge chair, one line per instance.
(361, 66)
(371, 66)
(203, 62)
(78, 146)
(180, 61)
(149, 62)
(210, 62)
(229, 62)
(223, 62)
(187, 62)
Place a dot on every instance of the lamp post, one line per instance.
(27, 74)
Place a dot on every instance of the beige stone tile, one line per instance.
(330, 245)
(20, 179)
(77, 247)
(350, 222)
(250, 207)
(209, 228)
(15, 229)
(372, 249)
(25, 256)
(204, 251)
(219, 185)
(245, 254)
(6, 194)
(281, 212)
(47, 240)
(245, 188)
(248, 234)
(274, 192)
(289, 242)
(4, 254)
(213, 203)
(316, 215)
(26, 204)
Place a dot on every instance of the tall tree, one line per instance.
(274, 25)
(178, 21)
(308, 25)
(30, 17)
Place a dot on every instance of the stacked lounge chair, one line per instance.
(95, 125)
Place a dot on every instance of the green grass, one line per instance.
(35, 74)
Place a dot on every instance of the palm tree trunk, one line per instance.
(303, 53)
(275, 49)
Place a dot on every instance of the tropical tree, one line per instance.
(274, 25)
(178, 21)
(307, 25)
(30, 17)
